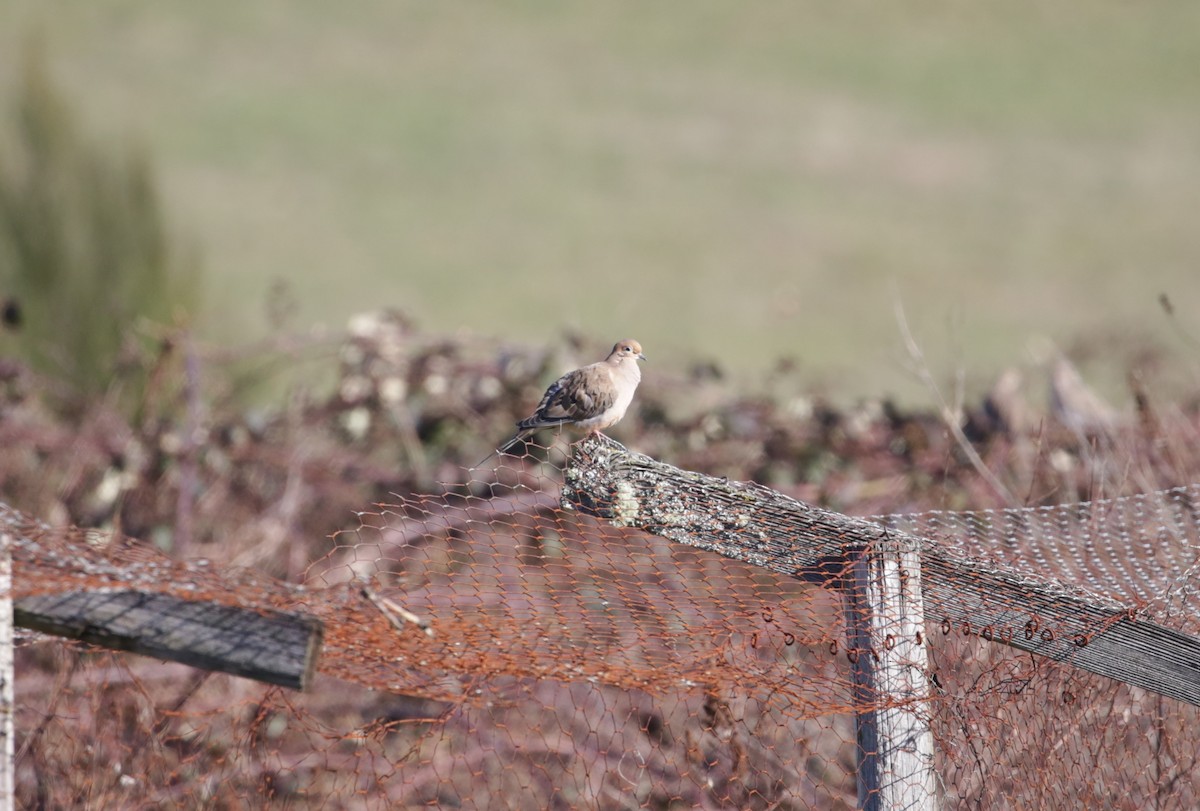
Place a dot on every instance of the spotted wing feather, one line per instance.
(574, 397)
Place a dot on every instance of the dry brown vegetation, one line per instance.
(758, 717)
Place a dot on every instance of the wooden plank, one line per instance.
(752, 523)
(890, 685)
(270, 646)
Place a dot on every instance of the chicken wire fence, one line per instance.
(487, 647)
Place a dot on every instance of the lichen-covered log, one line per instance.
(752, 523)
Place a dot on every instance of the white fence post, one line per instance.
(7, 735)
(885, 626)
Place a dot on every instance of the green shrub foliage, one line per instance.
(87, 265)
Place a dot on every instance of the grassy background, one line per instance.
(716, 180)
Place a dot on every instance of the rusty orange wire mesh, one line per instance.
(572, 664)
(1017, 730)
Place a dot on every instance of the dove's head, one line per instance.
(629, 351)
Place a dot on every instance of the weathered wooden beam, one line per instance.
(752, 523)
(889, 674)
(270, 646)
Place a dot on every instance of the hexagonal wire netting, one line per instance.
(486, 647)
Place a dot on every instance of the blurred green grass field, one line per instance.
(733, 181)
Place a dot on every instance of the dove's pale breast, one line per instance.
(622, 382)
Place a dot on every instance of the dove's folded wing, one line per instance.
(574, 397)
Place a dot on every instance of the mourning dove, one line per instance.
(594, 397)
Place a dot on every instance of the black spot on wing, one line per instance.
(601, 400)
(571, 400)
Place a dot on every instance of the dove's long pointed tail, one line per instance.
(505, 447)
(484, 459)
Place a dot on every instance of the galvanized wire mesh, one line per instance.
(1141, 550)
